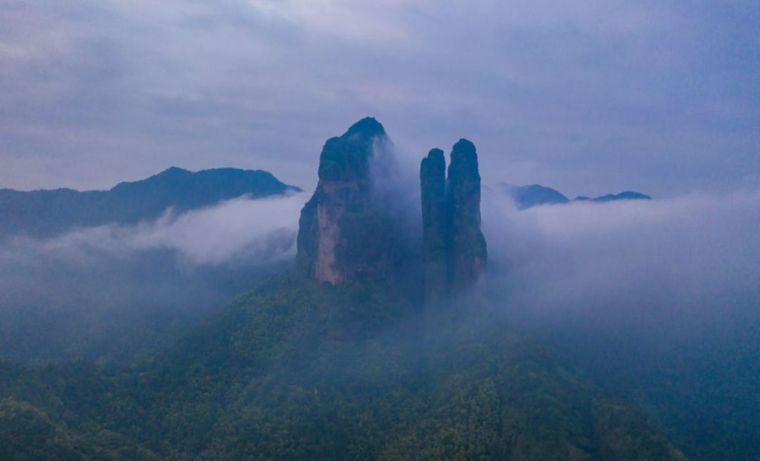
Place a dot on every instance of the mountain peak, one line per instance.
(464, 162)
(173, 170)
(535, 195)
(463, 146)
(368, 127)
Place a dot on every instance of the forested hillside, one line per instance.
(299, 370)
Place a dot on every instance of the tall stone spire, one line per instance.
(343, 233)
(454, 247)
(434, 222)
(350, 228)
(467, 245)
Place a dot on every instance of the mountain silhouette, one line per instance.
(44, 213)
(533, 195)
(627, 195)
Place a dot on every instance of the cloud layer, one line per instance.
(237, 230)
(656, 301)
(687, 265)
(117, 291)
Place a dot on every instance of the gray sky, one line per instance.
(589, 96)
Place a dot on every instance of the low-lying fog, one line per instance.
(114, 291)
(646, 272)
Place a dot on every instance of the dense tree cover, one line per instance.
(299, 370)
(702, 385)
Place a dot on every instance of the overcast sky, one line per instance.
(589, 96)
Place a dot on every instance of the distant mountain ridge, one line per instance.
(44, 213)
(626, 195)
(536, 195)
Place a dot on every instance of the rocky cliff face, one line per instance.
(344, 232)
(349, 229)
(454, 247)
